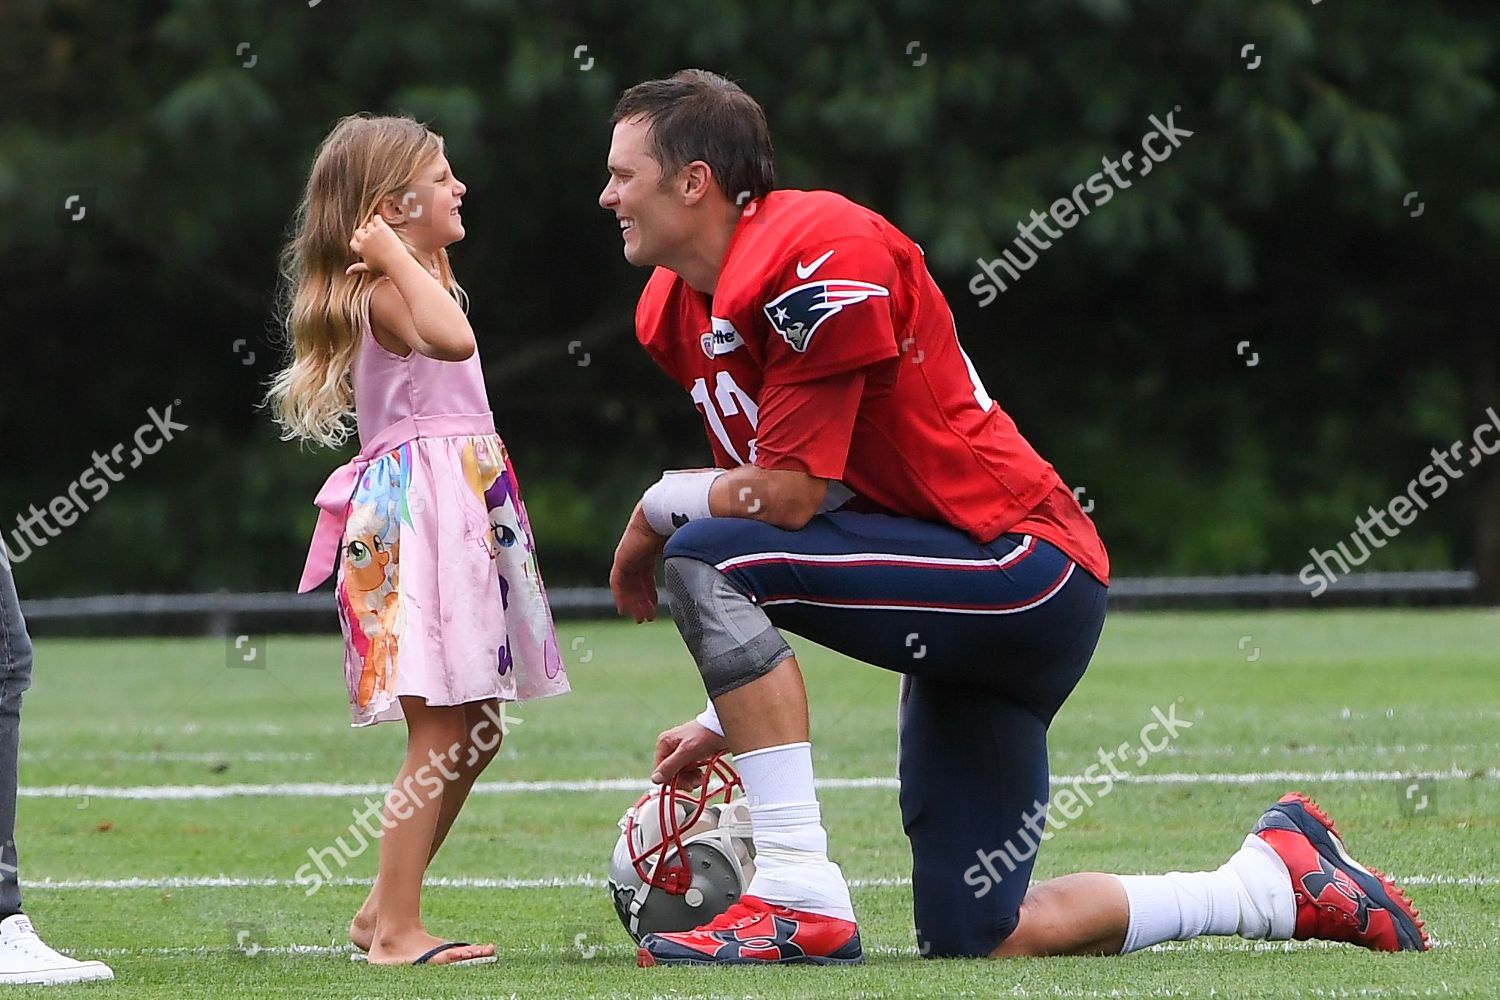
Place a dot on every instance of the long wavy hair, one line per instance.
(320, 309)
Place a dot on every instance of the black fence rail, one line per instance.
(227, 614)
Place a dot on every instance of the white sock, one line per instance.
(791, 847)
(777, 776)
(1249, 895)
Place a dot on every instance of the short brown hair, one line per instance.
(698, 115)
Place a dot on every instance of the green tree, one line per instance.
(1284, 222)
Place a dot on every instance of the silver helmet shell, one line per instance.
(684, 855)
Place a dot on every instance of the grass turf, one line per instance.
(1352, 699)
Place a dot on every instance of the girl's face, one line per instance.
(428, 210)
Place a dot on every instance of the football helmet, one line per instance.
(685, 855)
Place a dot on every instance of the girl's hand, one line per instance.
(377, 246)
(632, 580)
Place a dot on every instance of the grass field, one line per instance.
(131, 853)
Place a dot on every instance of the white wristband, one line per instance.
(677, 498)
(709, 719)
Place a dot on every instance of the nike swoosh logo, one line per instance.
(805, 272)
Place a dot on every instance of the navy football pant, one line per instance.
(991, 639)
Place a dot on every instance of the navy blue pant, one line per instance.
(991, 639)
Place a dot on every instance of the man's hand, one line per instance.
(679, 749)
(632, 580)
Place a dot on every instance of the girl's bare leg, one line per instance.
(482, 742)
(429, 772)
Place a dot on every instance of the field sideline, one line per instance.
(169, 798)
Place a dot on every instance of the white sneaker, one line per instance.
(25, 958)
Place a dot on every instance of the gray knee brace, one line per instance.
(731, 639)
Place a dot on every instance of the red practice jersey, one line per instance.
(828, 348)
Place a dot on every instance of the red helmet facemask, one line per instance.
(717, 782)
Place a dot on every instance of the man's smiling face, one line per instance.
(654, 222)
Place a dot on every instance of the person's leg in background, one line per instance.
(23, 956)
(15, 679)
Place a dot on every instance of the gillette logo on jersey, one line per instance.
(722, 339)
(832, 351)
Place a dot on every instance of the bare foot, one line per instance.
(404, 949)
(362, 928)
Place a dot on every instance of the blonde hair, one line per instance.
(320, 309)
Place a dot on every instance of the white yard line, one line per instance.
(232, 882)
(1059, 756)
(1378, 749)
(1180, 756)
(216, 726)
(170, 756)
(336, 790)
(253, 951)
(581, 881)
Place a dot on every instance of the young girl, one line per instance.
(441, 604)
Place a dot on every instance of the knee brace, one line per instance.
(731, 639)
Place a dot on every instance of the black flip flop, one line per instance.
(482, 960)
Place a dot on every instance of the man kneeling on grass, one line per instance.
(872, 496)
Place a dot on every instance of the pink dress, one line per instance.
(439, 594)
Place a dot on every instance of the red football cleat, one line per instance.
(753, 931)
(1338, 899)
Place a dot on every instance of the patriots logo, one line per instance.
(797, 314)
(1317, 883)
(775, 947)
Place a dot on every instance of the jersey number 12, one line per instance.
(731, 401)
